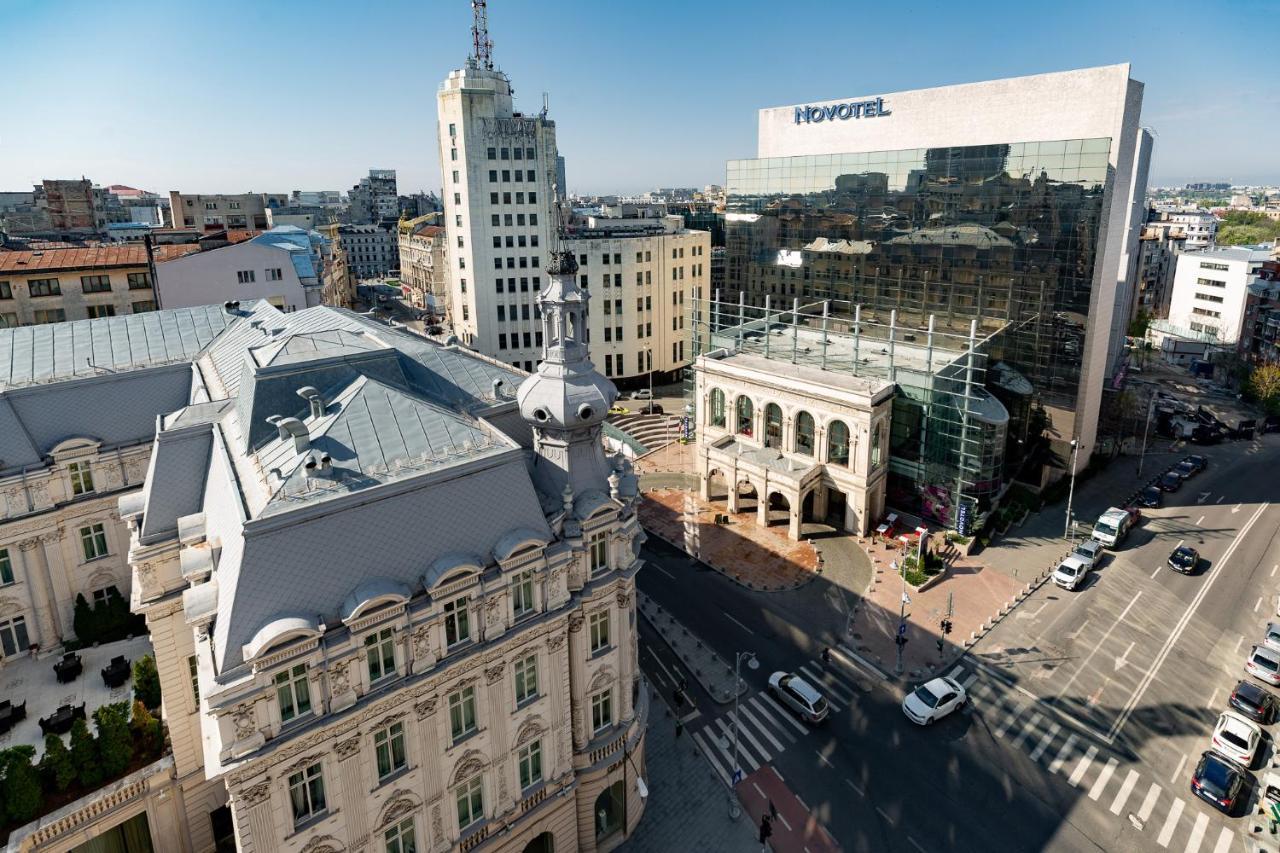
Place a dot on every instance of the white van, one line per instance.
(1112, 526)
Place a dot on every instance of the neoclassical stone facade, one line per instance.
(798, 443)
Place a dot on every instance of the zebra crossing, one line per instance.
(1158, 807)
(765, 728)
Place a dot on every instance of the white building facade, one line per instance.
(271, 267)
(1210, 290)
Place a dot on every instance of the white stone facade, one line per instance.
(1210, 289)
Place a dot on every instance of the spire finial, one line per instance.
(481, 46)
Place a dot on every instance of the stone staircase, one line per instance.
(653, 431)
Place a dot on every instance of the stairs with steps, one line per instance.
(653, 431)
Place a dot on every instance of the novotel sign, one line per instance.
(842, 112)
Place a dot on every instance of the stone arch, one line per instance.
(806, 431)
(101, 578)
(717, 485)
(837, 452)
(744, 416)
(542, 843)
(715, 408)
(529, 730)
(398, 804)
(9, 606)
(747, 495)
(602, 679)
(779, 508)
(773, 426)
(471, 763)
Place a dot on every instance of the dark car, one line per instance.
(1184, 559)
(651, 409)
(1219, 781)
(1199, 461)
(1185, 469)
(1169, 481)
(1150, 497)
(1254, 702)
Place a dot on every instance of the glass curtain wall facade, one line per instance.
(1006, 235)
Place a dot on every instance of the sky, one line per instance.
(275, 96)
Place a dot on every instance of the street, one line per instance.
(1088, 709)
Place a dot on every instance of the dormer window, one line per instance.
(457, 622)
(599, 546)
(81, 478)
(380, 649)
(293, 693)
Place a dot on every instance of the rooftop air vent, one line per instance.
(313, 398)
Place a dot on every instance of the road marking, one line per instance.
(1238, 643)
(1076, 632)
(765, 714)
(1149, 802)
(764, 730)
(1045, 741)
(1061, 757)
(884, 814)
(657, 676)
(1124, 658)
(1007, 723)
(1166, 832)
(1224, 840)
(1199, 521)
(915, 844)
(823, 759)
(664, 571)
(849, 782)
(1085, 665)
(1236, 508)
(1082, 766)
(1182, 762)
(834, 685)
(1273, 569)
(786, 715)
(736, 622)
(711, 757)
(1156, 572)
(953, 673)
(1028, 730)
(745, 732)
(1213, 700)
(744, 755)
(669, 673)
(1258, 606)
(1126, 787)
(1100, 784)
(1172, 641)
(973, 676)
(1197, 833)
(1219, 500)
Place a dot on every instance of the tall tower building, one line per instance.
(498, 168)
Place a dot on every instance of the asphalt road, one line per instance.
(1087, 710)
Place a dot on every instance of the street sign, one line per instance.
(737, 776)
(963, 519)
(902, 629)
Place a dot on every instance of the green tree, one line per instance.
(84, 754)
(115, 743)
(146, 681)
(1139, 324)
(56, 764)
(148, 735)
(1264, 383)
(84, 621)
(20, 793)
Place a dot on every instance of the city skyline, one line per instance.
(696, 89)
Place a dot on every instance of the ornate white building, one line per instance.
(394, 608)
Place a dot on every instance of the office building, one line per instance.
(999, 217)
(1210, 289)
(375, 198)
(373, 251)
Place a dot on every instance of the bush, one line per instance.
(115, 743)
(148, 735)
(107, 620)
(84, 755)
(56, 765)
(20, 794)
(84, 622)
(146, 681)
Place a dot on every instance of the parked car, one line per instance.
(1151, 496)
(1254, 702)
(799, 695)
(1184, 559)
(1071, 572)
(1112, 526)
(1219, 781)
(1263, 664)
(642, 394)
(1272, 637)
(933, 700)
(1185, 470)
(1237, 738)
(1169, 481)
(1090, 551)
(651, 409)
(1200, 462)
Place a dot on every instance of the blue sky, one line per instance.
(281, 95)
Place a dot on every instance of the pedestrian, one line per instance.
(773, 811)
(766, 830)
(679, 728)
(826, 656)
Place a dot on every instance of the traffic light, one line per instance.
(946, 626)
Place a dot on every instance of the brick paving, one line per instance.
(757, 557)
(674, 458)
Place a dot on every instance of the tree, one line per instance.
(1138, 327)
(20, 794)
(146, 681)
(84, 621)
(115, 744)
(56, 764)
(146, 729)
(84, 754)
(1264, 383)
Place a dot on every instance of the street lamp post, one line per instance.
(900, 639)
(1142, 457)
(752, 663)
(1071, 490)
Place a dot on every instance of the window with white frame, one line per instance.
(602, 710)
(522, 593)
(457, 623)
(526, 675)
(388, 748)
(599, 552)
(380, 650)
(293, 692)
(306, 793)
(470, 799)
(195, 679)
(462, 712)
(401, 838)
(13, 636)
(530, 760)
(81, 477)
(6, 567)
(599, 624)
(93, 539)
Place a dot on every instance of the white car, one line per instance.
(933, 700)
(1237, 738)
(642, 394)
(1072, 572)
(1263, 664)
(1272, 638)
(799, 695)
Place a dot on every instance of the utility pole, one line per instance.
(734, 809)
(1071, 491)
(1142, 457)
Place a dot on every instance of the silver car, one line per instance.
(799, 695)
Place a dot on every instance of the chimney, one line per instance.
(295, 428)
(312, 396)
(497, 388)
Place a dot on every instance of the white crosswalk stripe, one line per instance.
(1082, 766)
(781, 712)
(832, 686)
(1008, 721)
(969, 681)
(1100, 784)
(1171, 821)
(1028, 730)
(1149, 801)
(1224, 840)
(1197, 833)
(1126, 787)
(745, 712)
(711, 755)
(745, 758)
(1047, 739)
(1063, 753)
(758, 704)
(745, 733)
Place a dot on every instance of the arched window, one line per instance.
(609, 808)
(544, 843)
(772, 426)
(875, 446)
(717, 407)
(838, 443)
(804, 433)
(745, 413)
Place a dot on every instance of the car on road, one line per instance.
(1219, 781)
(1272, 637)
(1089, 551)
(1112, 526)
(1169, 481)
(1254, 702)
(1184, 559)
(1186, 469)
(1263, 664)
(650, 409)
(1237, 738)
(619, 410)
(1071, 572)
(1151, 497)
(1199, 461)
(933, 700)
(642, 394)
(799, 695)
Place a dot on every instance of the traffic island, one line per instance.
(713, 672)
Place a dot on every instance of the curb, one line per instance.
(710, 689)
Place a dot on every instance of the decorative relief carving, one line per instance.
(421, 643)
(323, 844)
(256, 794)
(502, 785)
(347, 748)
(399, 803)
(579, 735)
(388, 720)
(426, 707)
(339, 673)
(9, 606)
(575, 622)
(242, 719)
(29, 544)
(603, 677)
(555, 641)
(624, 598)
(493, 674)
(437, 825)
(471, 763)
(529, 730)
(301, 763)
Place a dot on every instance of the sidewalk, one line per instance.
(688, 807)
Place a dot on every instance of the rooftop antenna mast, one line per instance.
(481, 46)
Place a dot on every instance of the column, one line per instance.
(256, 821)
(762, 504)
(498, 710)
(821, 496)
(558, 757)
(55, 571)
(354, 795)
(793, 521)
(626, 648)
(35, 565)
(577, 679)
